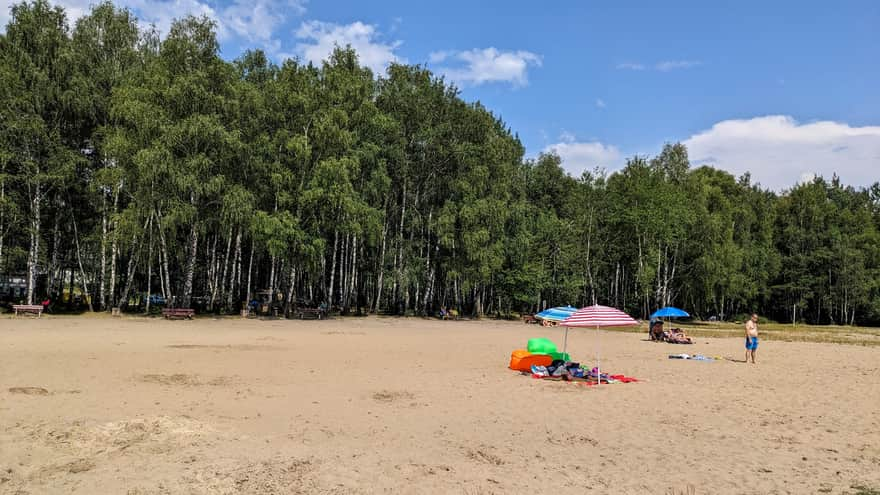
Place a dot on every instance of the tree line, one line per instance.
(132, 165)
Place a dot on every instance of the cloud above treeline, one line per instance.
(776, 150)
(580, 156)
(271, 25)
(779, 151)
(485, 65)
(318, 39)
(249, 21)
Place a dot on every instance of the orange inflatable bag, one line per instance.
(523, 360)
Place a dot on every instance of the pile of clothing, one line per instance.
(573, 372)
(695, 357)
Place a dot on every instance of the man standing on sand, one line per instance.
(752, 338)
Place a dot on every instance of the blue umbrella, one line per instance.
(556, 314)
(670, 312)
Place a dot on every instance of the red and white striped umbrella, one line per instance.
(599, 316)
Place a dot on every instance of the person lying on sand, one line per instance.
(678, 336)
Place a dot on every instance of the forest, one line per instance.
(134, 165)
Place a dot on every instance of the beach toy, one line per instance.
(523, 360)
(541, 346)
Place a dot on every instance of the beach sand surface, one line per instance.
(411, 406)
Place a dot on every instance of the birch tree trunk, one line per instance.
(161, 275)
(235, 275)
(290, 290)
(353, 272)
(211, 275)
(163, 254)
(343, 269)
(132, 266)
(272, 280)
(82, 272)
(34, 250)
(380, 268)
(102, 287)
(54, 268)
(398, 259)
(250, 271)
(429, 284)
(186, 300)
(114, 250)
(333, 268)
(149, 268)
(221, 285)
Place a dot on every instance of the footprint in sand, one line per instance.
(389, 396)
(28, 391)
(183, 380)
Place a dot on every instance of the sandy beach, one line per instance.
(385, 405)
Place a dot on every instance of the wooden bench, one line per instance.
(170, 313)
(28, 308)
(310, 313)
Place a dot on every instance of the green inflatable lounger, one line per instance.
(541, 346)
(546, 346)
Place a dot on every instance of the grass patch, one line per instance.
(825, 334)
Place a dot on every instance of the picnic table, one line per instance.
(529, 319)
(170, 313)
(28, 308)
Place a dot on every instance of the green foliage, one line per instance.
(148, 165)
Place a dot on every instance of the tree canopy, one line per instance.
(132, 165)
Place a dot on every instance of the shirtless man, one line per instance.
(751, 338)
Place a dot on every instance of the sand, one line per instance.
(383, 405)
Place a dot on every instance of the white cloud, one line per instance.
(669, 65)
(258, 20)
(630, 66)
(396, 22)
(163, 13)
(437, 57)
(4, 14)
(487, 65)
(579, 157)
(567, 137)
(73, 8)
(600, 103)
(663, 66)
(779, 151)
(320, 38)
(252, 21)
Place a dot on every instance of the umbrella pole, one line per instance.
(565, 341)
(598, 363)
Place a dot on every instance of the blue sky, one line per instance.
(784, 89)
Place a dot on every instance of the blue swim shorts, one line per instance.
(751, 343)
